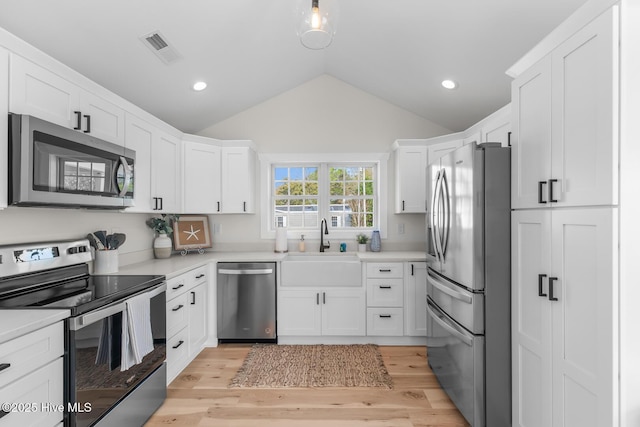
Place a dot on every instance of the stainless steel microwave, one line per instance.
(50, 165)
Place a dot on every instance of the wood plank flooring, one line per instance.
(200, 397)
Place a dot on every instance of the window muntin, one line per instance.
(344, 194)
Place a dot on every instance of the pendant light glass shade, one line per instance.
(316, 22)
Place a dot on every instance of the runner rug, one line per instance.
(278, 366)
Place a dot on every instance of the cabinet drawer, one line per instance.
(385, 321)
(177, 313)
(177, 352)
(42, 386)
(198, 275)
(29, 352)
(385, 292)
(384, 269)
(177, 285)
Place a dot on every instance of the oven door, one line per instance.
(95, 383)
(53, 165)
(456, 357)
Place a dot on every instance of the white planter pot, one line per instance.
(162, 246)
(362, 247)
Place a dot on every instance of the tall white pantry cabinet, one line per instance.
(575, 238)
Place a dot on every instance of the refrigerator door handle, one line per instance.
(444, 288)
(444, 188)
(440, 318)
(435, 217)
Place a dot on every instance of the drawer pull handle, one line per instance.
(385, 270)
(178, 287)
(4, 366)
(385, 287)
(200, 276)
(385, 316)
(179, 344)
(177, 308)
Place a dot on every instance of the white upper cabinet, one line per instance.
(238, 179)
(411, 170)
(436, 151)
(36, 91)
(202, 189)
(4, 124)
(497, 127)
(565, 109)
(139, 137)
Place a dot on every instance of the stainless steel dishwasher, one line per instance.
(247, 302)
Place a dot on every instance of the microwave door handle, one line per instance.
(128, 175)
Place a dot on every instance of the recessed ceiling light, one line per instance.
(199, 86)
(449, 84)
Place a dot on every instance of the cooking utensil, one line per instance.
(102, 236)
(117, 239)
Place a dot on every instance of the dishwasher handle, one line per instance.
(245, 271)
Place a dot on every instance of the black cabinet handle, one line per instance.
(200, 276)
(403, 205)
(317, 298)
(88, 128)
(385, 287)
(551, 297)
(179, 344)
(193, 298)
(540, 184)
(177, 308)
(509, 139)
(324, 297)
(4, 366)
(177, 287)
(386, 270)
(412, 269)
(385, 316)
(218, 206)
(78, 120)
(540, 279)
(161, 203)
(244, 206)
(551, 199)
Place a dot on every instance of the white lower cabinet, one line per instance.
(186, 318)
(32, 374)
(327, 311)
(385, 298)
(563, 318)
(415, 299)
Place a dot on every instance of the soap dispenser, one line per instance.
(301, 243)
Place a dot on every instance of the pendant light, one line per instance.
(317, 24)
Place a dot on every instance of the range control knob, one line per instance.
(73, 250)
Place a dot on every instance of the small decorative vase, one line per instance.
(162, 246)
(375, 241)
(362, 247)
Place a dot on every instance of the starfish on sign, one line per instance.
(193, 233)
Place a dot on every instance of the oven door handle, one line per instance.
(77, 323)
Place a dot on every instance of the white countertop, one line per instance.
(16, 323)
(179, 264)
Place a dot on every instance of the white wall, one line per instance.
(324, 115)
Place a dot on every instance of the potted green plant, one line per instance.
(162, 227)
(362, 240)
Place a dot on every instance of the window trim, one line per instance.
(268, 160)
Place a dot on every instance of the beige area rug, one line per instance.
(277, 366)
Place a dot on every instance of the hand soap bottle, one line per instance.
(301, 243)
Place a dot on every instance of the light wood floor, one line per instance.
(200, 397)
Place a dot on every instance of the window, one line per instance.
(303, 194)
(84, 176)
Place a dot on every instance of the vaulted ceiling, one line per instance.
(248, 51)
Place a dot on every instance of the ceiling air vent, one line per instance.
(158, 44)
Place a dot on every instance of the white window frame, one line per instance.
(324, 161)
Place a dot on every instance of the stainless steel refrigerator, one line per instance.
(468, 281)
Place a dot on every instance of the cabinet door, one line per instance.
(139, 137)
(584, 263)
(531, 318)
(497, 131)
(531, 136)
(436, 151)
(238, 175)
(38, 92)
(411, 169)
(343, 312)
(415, 299)
(299, 313)
(4, 126)
(197, 318)
(165, 173)
(585, 100)
(201, 178)
(107, 120)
